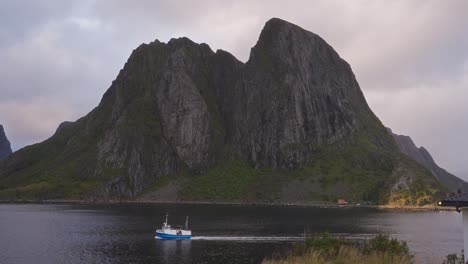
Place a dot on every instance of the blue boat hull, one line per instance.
(172, 237)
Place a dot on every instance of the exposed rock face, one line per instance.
(181, 108)
(292, 96)
(5, 148)
(423, 157)
(62, 126)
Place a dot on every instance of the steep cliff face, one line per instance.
(5, 148)
(423, 157)
(292, 96)
(159, 117)
(179, 112)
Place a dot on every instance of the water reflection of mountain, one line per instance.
(122, 234)
(174, 251)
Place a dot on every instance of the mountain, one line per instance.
(423, 157)
(182, 122)
(5, 148)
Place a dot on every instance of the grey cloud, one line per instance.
(34, 121)
(425, 39)
(435, 115)
(18, 19)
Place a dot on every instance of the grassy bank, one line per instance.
(325, 249)
(345, 254)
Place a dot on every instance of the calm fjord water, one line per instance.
(35, 233)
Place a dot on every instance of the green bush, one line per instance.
(325, 243)
(325, 249)
(383, 243)
(454, 259)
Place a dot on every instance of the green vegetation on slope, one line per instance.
(43, 178)
(226, 181)
(354, 169)
(63, 166)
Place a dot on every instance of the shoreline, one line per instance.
(292, 205)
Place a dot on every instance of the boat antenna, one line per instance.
(166, 219)
(186, 223)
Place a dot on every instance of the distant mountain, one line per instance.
(5, 148)
(423, 157)
(182, 122)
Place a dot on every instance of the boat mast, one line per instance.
(186, 223)
(165, 223)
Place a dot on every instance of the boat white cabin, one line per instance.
(168, 233)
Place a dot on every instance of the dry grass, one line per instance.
(345, 255)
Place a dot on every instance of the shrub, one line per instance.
(454, 259)
(383, 243)
(345, 255)
(325, 243)
(325, 249)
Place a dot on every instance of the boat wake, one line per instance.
(279, 238)
(249, 238)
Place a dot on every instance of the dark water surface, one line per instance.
(34, 233)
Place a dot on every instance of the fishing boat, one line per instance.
(168, 233)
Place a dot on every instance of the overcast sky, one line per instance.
(410, 57)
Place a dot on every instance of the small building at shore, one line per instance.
(342, 202)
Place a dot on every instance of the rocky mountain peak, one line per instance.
(178, 108)
(289, 44)
(180, 42)
(305, 95)
(63, 126)
(5, 148)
